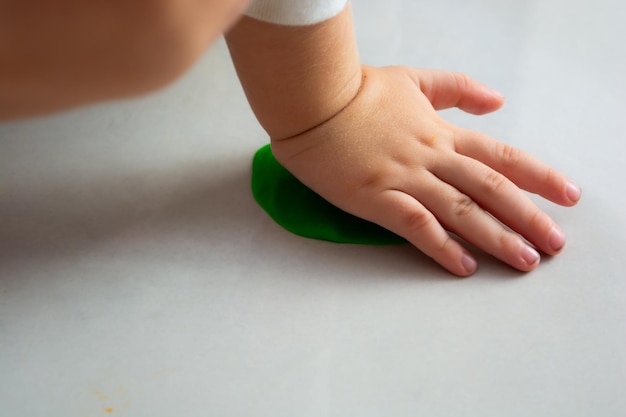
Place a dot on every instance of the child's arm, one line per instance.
(370, 141)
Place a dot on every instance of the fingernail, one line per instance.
(493, 92)
(556, 239)
(469, 263)
(529, 255)
(573, 192)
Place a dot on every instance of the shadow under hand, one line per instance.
(62, 218)
(201, 203)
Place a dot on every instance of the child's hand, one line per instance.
(389, 158)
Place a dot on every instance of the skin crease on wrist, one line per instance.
(311, 71)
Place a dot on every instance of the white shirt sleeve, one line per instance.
(295, 12)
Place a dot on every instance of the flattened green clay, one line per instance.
(300, 210)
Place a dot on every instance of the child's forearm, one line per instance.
(296, 77)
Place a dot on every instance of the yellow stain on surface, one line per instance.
(114, 400)
(101, 396)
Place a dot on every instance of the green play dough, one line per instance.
(300, 210)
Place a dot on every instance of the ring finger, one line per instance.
(458, 213)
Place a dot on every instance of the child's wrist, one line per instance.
(311, 112)
(296, 77)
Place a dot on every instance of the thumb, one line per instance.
(446, 89)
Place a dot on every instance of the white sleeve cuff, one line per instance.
(295, 12)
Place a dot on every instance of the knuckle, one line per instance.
(493, 182)
(443, 246)
(552, 177)
(462, 80)
(539, 220)
(371, 181)
(417, 221)
(508, 155)
(504, 239)
(463, 206)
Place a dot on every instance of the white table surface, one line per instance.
(139, 278)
